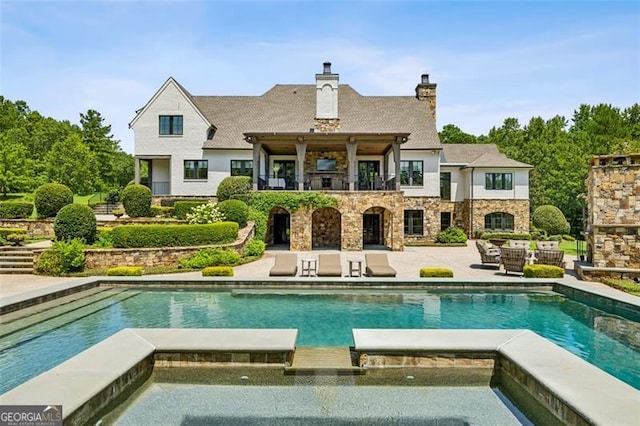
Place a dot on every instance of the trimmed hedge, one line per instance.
(542, 271)
(125, 271)
(161, 211)
(436, 273)
(15, 210)
(233, 185)
(235, 211)
(211, 257)
(505, 235)
(135, 236)
(217, 271)
(75, 221)
(4, 232)
(181, 208)
(451, 235)
(51, 197)
(136, 200)
(170, 202)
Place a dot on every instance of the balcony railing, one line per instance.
(328, 182)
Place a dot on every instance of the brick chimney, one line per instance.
(326, 93)
(426, 91)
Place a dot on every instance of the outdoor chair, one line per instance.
(329, 265)
(378, 265)
(550, 257)
(525, 244)
(488, 254)
(547, 245)
(513, 259)
(286, 265)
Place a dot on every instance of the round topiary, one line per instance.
(51, 197)
(235, 211)
(451, 235)
(550, 219)
(233, 185)
(136, 200)
(75, 221)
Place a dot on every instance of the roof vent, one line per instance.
(425, 78)
(326, 68)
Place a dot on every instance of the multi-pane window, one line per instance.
(445, 186)
(498, 222)
(170, 124)
(242, 168)
(498, 181)
(196, 169)
(413, 222)
(445, 220)
(411, 173)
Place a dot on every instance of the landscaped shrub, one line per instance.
(628, 286)
(4, 232)
(170, 202)
(14, 210)
(205, 213)
(133, 236)
(104, 237)
(436, 273)
(16, 239)
(254, 248)
(451, 235)
(136, 200)
(61, 258)
(217, 271)
(235, 211)
(211, 257)
(181, 208)
(125, 271)
(51, 197)
(233, 185)
(550, 219)
(542, 271)
(75, 221)
(161, 211)
(505, 235)
(259, 220)
(568, 237)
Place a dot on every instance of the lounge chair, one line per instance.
(488, 254)
(513, 259)
(329, 265)
(547, 245)
(378, 265)
(525, 244)
(550, 257)
(286, 265)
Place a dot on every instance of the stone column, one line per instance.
(301, 150)
(256, 165)
(352, 148)
(396, 156)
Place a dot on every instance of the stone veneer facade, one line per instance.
(613, 236)
(478, 209)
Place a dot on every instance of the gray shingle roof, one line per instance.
(291, 108)
(478, 155)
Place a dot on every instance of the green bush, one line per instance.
(550, 219)
(542, 271)
(4, 232)
(15, 210)
(255, 248)
(136, 200)
(51, 197)
(217, 271)
(259, 220)
(235, 211)
(505, 235)
(211, 257)
(16, 239)
(104, 237)
(233, 185)
(451, 235)
(75, 221)
(125, 271)
(568, 237)
(170, 202)
(133, 236)
(61, 258)
(205, 213)
(181, 208)
(161, 211)
(436, 273)
(624, 285)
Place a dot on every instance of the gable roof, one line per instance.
(290, 108)
(479, 155)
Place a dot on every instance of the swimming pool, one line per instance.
(324, 318)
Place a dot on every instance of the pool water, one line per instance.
(322, 318)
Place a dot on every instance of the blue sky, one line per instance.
(491, 60)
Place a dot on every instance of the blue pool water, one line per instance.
(323, 319)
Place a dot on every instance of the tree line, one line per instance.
(560, 150)
(35, 150)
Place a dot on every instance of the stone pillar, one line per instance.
(352, 148)
(301, 150)
(256, 165)
(396, 156)
(137, 172)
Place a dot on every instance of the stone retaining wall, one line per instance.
(44, 227)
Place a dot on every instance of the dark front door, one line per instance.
(368, 175)
(281, 228)
(287, 171)
(371, 228)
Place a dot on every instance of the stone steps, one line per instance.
(103, 208)
(16, 260)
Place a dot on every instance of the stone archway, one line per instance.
(326, 228)
(376, 227)
(279, 227)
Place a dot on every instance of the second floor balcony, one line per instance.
(323, 181)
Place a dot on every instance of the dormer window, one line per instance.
(170, 125)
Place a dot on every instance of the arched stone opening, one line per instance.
(376, 228)
(326, 228)
(279, 227)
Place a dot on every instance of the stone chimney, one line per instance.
(326, 93)
(426, 91)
